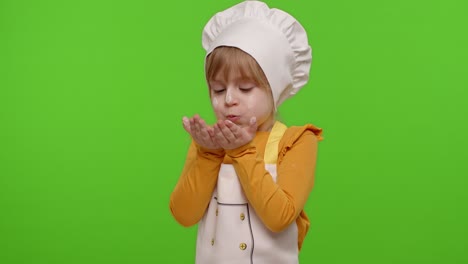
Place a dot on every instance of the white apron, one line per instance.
(231, 232)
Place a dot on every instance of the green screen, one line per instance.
(92, 95)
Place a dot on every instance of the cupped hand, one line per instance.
(230, 136)
(200, 132)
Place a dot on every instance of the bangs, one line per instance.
(227, 60)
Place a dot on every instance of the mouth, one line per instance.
(233, 118)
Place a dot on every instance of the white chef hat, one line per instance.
(272, 37)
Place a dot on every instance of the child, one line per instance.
(247, 177)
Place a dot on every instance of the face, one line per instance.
(238, 100)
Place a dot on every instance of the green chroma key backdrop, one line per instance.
(92, 95)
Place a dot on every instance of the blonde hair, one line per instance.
(223, 60)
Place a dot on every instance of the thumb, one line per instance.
(253, 125)
(186, 124)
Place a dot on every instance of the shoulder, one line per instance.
(301, 139)
(293, 133)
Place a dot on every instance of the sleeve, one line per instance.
(191, 195)
(279, 203)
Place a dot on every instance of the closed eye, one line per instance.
(218, 91)
(246, 89)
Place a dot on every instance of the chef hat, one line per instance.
(272, 37)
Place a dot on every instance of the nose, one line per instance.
(230, 98)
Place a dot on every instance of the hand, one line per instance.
(230, 136)
(200, 132)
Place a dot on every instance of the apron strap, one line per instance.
(271, 148)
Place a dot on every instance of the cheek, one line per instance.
(260, 104)
(251, 103)
(216, 106)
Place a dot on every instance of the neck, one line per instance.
(267, 125)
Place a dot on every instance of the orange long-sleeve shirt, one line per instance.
(278, 203)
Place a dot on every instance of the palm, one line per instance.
(230, 136)
(200, 132)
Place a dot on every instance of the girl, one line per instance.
(247, 177)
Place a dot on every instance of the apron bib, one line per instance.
(231, 232)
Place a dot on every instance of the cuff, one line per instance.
(210, 152)
(241, 151)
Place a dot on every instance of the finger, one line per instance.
(226, 132)
(195, 129)
(202, 123)
(186, 124)
(219, 136)
(235, 130)
(210, 131)
(191, 124)
(204, 130)
(196, 124)
(213, 138)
